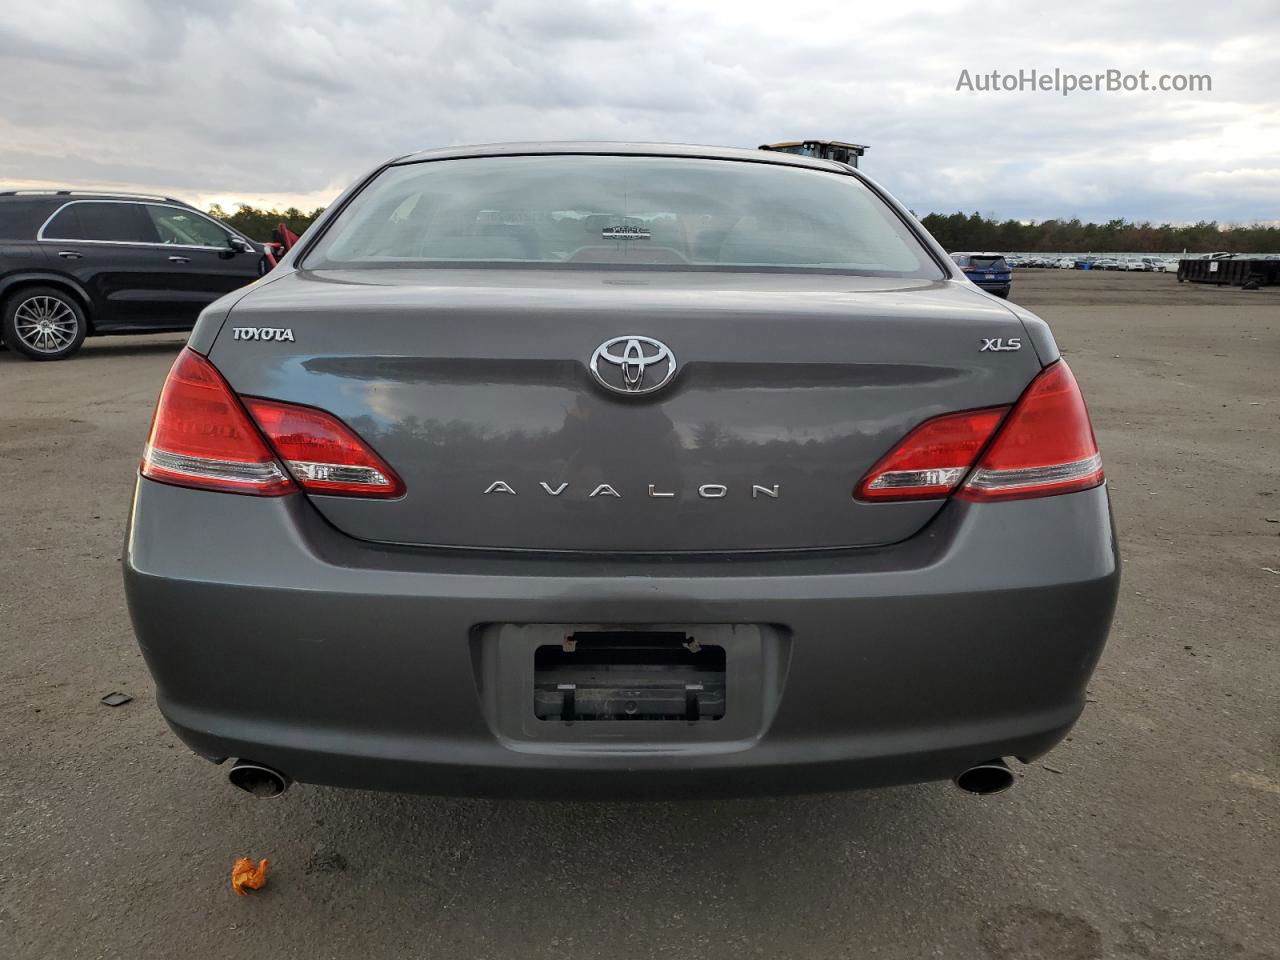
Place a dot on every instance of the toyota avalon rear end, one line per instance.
(619, 470)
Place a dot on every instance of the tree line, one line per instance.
(957, 231)
(261, 224)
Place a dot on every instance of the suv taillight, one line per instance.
(205, 436)
(1044, 446)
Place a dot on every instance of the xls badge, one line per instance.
(1000, 344)
(633, 365)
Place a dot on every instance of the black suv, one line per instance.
(73, 264)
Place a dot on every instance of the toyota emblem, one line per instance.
(633, 365)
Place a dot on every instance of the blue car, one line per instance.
(990, 271)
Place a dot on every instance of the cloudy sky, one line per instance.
(285, 101)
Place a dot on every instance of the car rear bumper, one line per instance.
(999, 289)
(273, 637)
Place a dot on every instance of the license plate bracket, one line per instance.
(690, 683)
(629, 675)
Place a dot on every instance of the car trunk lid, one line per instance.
(476, 387)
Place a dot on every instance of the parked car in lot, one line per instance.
(988, 270)
(626, 470)
(75, 264)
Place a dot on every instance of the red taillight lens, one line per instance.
(201, 436)
(1045, 447)
(932, 459)
(323, 453)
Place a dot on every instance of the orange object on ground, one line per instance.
(245, 876)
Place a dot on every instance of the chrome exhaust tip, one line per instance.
(260, 780)
(986, 779)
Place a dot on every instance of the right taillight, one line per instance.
(1045, 446)
(932, 459)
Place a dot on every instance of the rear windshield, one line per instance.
(977, 261)
(597, 211)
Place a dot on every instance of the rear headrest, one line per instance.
(459, 247)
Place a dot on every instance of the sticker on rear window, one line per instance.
(625, 233)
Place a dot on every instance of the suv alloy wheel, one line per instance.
(43, 323)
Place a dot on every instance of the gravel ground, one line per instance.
(1150, 833)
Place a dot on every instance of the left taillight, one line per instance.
(322, 453)
(206, 436)
(202, 436)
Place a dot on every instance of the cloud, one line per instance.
(288, 101)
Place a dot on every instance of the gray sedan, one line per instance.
(619, 470)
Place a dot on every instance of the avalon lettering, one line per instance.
(707, 491)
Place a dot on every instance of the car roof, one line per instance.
(65, 194)
(612, 148)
